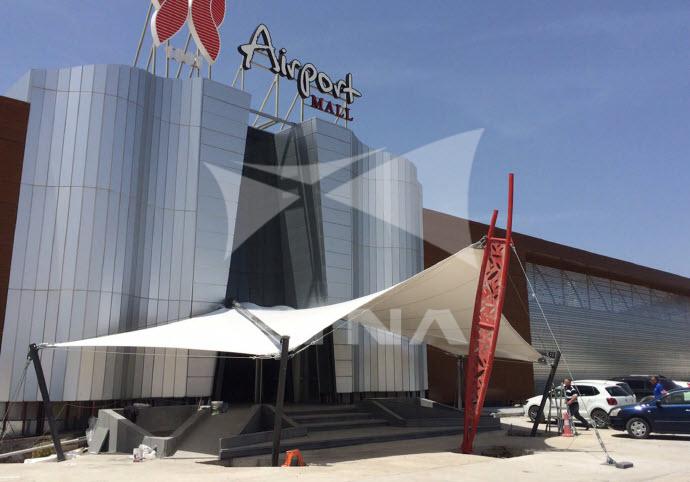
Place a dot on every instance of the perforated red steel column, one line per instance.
(486, 320)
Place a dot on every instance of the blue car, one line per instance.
(669, 414)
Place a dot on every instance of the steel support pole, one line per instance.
(143, 34)
(258, 382)
(280, 399)
(460, 369)
(545, 395)
(33, 354)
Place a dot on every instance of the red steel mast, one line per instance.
(486, 320)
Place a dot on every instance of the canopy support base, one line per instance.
(47, 406)
(545, 395)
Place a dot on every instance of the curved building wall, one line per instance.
(121, 225)
(371, 211)
(388, 249)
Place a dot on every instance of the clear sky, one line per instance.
(588, 102)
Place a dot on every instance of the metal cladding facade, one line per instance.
(611, 317)
(124, 222)
(116, 225)
(608, 328)
(380, 209)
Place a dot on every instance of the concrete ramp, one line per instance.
(203, 436)
(171, 428)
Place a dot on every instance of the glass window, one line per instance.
(587, 391)
(626, 388)
(636, 384)
(617, 391)
(668, 385)
(677, 398)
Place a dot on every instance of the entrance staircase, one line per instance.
(331, 418)
(372, 421)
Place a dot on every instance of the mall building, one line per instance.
(141, 200)
(130, 200)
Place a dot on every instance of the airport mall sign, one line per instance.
(204, 18)
(303, 73)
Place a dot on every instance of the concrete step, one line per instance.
(298, 411)
(331, 416)
(324, 440)
(344, 424)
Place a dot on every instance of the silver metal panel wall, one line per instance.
(111, 234)
(368, 214)
(371, 210)
(388, 249)
(608, 328)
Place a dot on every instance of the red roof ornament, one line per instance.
(205, 17)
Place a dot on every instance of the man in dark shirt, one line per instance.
(571, 395)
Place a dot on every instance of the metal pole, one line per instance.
(143, 33)
(258, 369)
(186, 46)
(33, 354)
(460, 371)
(280, 399)
(545, 395)
(167, 59)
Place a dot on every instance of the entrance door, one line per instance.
(309, 378)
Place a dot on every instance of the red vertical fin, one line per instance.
(486, 321)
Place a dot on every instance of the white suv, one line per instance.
(596, 399)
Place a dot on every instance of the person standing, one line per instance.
(571, 396)
(658, 388)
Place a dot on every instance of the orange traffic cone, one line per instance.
(294, 456)
(567, 424)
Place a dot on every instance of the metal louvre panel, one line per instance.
(608, 328)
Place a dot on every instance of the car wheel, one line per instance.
(532, 413)
(600, 418)
(638, 427)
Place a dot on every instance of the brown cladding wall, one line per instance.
(513, 381)
(14, 118)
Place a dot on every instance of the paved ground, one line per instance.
(554, 458)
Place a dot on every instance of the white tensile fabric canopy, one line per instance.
(434, 306)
